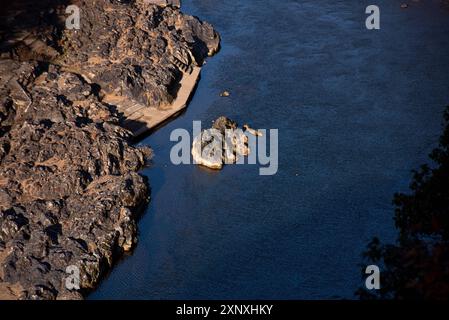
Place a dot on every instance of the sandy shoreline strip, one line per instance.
(141, 119)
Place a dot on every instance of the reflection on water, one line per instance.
(356, 111)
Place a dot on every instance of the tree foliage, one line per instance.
(417, 266)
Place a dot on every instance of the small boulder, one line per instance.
(225, 94)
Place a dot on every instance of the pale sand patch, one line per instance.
(140, 119)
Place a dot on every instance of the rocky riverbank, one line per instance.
(70, 193)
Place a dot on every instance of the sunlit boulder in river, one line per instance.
(224, 143)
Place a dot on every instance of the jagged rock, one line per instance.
(164, 3)
(68, 180)
(138, 60)
(69, 189)
(207, 149)
(252, 131)
(223, 144)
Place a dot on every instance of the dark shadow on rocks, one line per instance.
(29, 30)
(166, 122)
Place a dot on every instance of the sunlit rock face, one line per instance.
(222, 144)
(70, 193)
(134, 51)
(69, 189)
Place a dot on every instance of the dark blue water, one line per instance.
(356, 111)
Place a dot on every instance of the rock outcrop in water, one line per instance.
(223, 144)
(69, 188)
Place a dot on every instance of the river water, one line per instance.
(356, 110)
